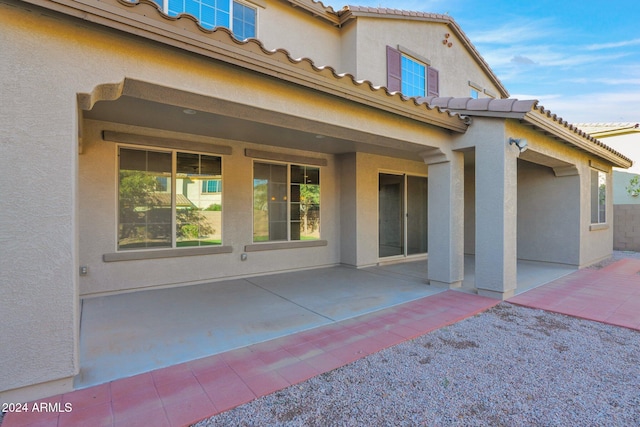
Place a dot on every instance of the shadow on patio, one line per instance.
(127, 334)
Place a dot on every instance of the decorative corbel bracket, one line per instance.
(433, 156)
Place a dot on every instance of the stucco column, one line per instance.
(446, 218)
(496, 217)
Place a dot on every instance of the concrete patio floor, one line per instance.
(186, 392)
(128, 334)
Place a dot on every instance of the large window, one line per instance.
(240, 18)
(286, 202)
(162, 202)
(598, 197)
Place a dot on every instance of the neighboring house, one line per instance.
(123, 118)
(625, 138)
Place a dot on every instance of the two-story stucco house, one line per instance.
(143, 150)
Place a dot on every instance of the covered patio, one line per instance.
(131, 333)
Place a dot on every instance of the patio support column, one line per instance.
(496, 216)
(446, 217)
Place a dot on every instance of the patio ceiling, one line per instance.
(225, 120)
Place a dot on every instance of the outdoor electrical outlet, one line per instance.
(84, 270)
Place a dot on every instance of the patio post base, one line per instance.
(501, 295)
(452, 285)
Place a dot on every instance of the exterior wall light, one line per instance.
(521, 143)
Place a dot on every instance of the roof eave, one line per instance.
(539, 120)
(184, 32)
(319, 10)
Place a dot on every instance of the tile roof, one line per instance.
(185, 32)
(348, 11)
(397, 12)
(534, 114)
(609, 129)
(341, 16)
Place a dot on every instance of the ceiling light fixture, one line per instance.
(189, 111)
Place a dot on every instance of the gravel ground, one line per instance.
(509, 366)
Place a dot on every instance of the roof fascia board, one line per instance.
(250, 55)
(538, 119)
(453, 25)
(547, 124)
(616, 132)
(496, 114)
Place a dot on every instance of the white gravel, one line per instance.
(509, 366)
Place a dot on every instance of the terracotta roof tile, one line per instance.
(399, 12)
(528, 110)
(480, 104)
(218, 40)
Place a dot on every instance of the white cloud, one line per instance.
(515, 32)
(613, 45)
(611, 81)
(595, 107)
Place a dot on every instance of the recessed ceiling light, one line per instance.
(189, 111)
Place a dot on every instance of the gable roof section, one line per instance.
(535, 115)
(145, 19)
(338, 18)
(350, 12)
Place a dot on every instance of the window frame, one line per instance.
(395, 72)
(289, 220)
(173, 195)
(164, 5)
(599, 194)
(405, 71)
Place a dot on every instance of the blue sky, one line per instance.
(580, 59)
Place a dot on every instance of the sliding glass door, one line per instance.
(402, 215)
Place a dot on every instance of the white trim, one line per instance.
(598, 227)
(476, 86)
(414, 55)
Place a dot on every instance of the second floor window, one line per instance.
(410, 76)
(237, 16)
(414, 77)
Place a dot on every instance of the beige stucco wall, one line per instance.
(72, 221)
(38, 254)
(469, 204)
(282, 25)
(595, 244)
(548, 215)
(98, 217)
(455, 64)
(629, 145)
(368, 167)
